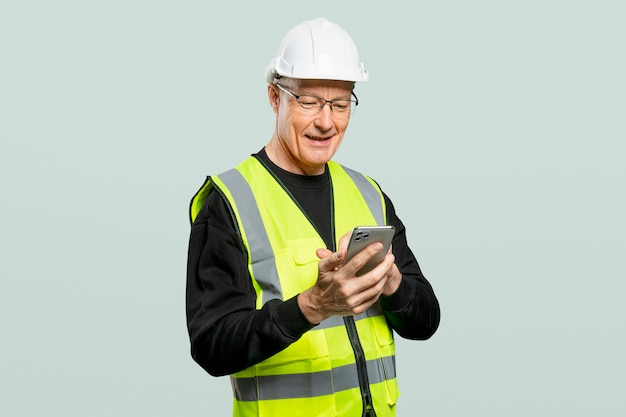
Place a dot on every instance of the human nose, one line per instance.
(324, 119)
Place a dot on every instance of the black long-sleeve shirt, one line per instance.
(227, 332)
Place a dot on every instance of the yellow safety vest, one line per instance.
(318, 375)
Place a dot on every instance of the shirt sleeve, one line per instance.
(413, 310)
(226, 331)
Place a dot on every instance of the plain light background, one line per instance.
(497, 128)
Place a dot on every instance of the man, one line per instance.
(269, 300)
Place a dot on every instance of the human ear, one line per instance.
(274, 97)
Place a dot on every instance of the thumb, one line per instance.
(329, 261)
(323, 253)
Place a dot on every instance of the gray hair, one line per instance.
(292, 84)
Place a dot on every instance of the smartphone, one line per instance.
(363, 236)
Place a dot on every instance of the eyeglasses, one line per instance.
(313, 104)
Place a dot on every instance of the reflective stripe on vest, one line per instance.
(278, 387)
(370, 194)
(261, 253)
(374, 310)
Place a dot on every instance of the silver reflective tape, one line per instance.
(369, 193)
(335, 321)
(389, 366)
(276, 387)
(295, 386)
(261, 254)
(345, 377)
(381, 369)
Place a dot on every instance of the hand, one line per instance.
(394, 277)
(339, 292)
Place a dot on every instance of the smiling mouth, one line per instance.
(318, 139)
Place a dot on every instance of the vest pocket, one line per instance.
(303, 251)
(297, 264)
(386, 355)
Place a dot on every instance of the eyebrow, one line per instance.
(349, 97)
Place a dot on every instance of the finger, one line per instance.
(361, 258)
(345, 240)
(373, 278)
(385, 267)
(331, 262)
(366, 298)
(323, 253)
(390, 259)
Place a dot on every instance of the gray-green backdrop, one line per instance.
(497, 128)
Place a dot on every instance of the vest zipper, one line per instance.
(361, 367)
(353, 336)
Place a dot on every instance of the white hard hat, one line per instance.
(317, 49)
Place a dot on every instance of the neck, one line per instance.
(284, 161)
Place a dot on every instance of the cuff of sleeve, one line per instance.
(291, 319)
(400, 299)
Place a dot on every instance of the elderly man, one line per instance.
(269, 298)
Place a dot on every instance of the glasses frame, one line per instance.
(329, 102)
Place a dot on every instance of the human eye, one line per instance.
(309, 102)
(341, 105)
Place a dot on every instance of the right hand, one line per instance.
(338, 291)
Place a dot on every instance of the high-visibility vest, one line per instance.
(319, 374)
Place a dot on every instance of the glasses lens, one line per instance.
(342, 106)
(314, 104)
